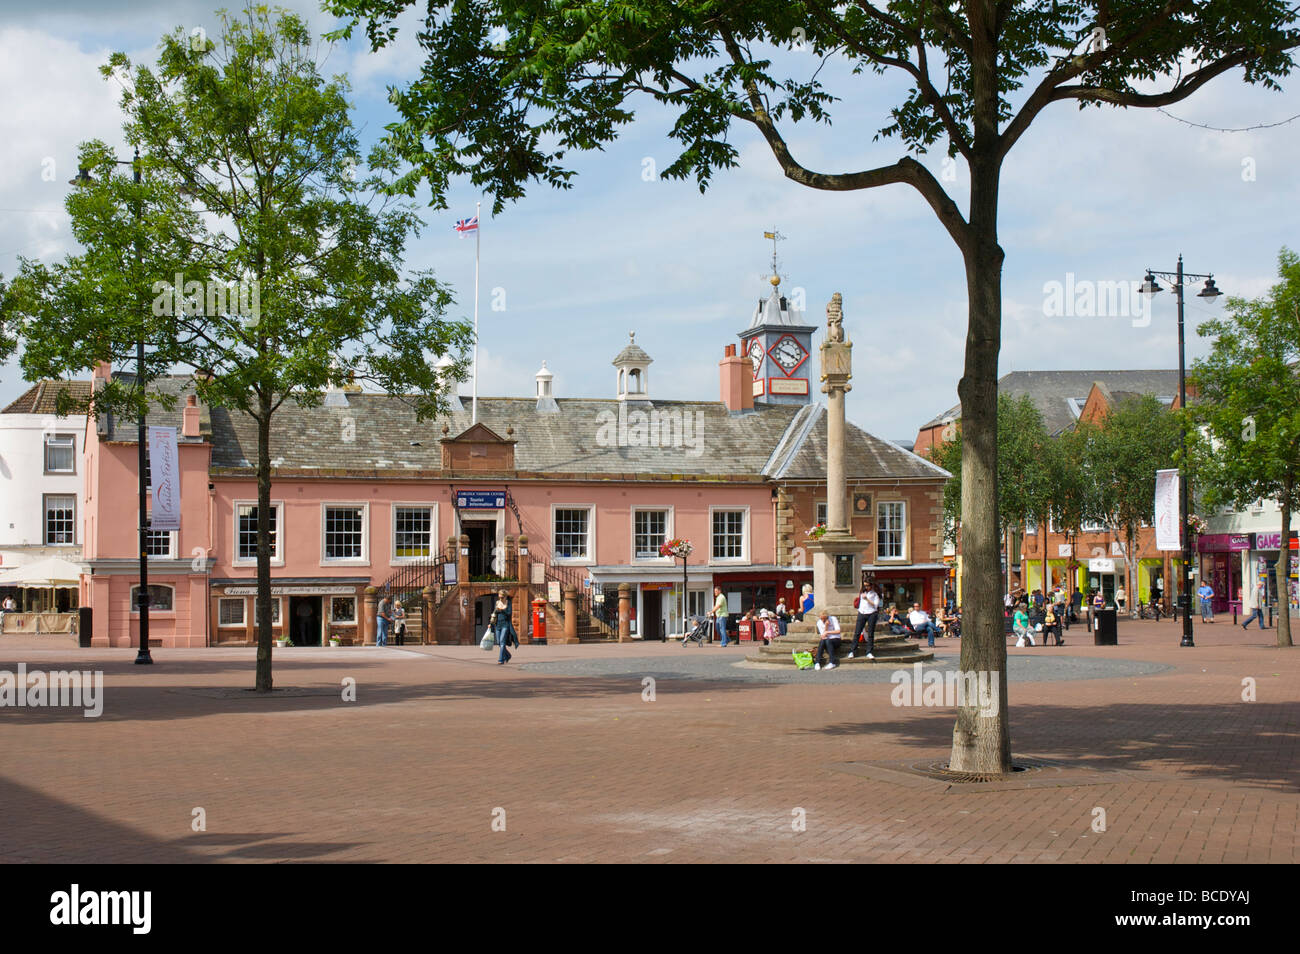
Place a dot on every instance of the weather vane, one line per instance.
(775, 236)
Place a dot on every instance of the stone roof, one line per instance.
(633, 353)
(1059, 395)
(42, 397)
(586, 436)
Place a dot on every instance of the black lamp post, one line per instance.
(142, 657)
(1210, 291)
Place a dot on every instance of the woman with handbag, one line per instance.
(503, 626)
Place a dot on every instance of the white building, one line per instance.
(1256, 542)
(42, 484)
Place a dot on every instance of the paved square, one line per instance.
(564, 750)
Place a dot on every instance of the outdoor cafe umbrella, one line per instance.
(43, 574)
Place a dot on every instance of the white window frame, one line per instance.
(741, 560)
(904, 556)
(135, 610)
(821, 512)
(171, 546)
(429, 505)
(277, 556)
(329, 606)
(243, 615)
(45, 453)
(1089, 527)
(668, 534)
(364, 559)
(590, 558)
(45, 520)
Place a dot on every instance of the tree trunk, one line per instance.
(982, 743)
(1043, 521)
(1130, 572)
(263, 678)
(1284, 568)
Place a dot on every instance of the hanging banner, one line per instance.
(164, 479)
(1168, 523)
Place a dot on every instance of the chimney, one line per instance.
(103, 372)
(190, 417)
(737, 373)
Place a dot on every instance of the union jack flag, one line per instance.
(467, 225)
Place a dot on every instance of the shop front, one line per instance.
(1262, 566)
(904, 585)
(1222, 556)
(309, 613)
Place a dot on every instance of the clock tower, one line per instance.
(779, 347)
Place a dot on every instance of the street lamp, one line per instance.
(142, 657)
(1149, 287)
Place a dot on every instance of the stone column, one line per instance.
(570, 615)
(508, 559)
(624, 612)
(369, 612)
(429, 627)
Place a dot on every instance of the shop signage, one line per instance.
(480, 499)
(656, 586)
(1101, 565)
(1268, 541)
(1223, 542)
(294, 591)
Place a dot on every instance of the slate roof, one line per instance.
(1053, 391)
(632, 353)
(771, 313)
(774, 441)
(42, 397)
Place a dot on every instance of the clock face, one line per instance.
(756, 355)
(788, 353)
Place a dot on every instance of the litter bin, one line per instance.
(1104, 627)
(83, 626)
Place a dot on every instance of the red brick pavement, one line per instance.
(585, 770)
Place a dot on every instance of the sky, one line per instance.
(1093, 196)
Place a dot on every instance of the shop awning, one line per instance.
(43, 574)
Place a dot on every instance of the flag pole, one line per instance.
(477, 231)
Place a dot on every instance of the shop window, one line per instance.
(230, 611)
(343, 609)
(161, 598)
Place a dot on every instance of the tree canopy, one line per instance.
(1248, 407)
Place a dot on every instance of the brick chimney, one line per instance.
(103, 372)
(190, 417)
(737, 374)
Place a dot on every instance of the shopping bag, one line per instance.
(803, 660)
(489, 639)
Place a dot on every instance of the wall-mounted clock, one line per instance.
(756, 355)
(788, 353)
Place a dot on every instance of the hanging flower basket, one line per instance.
(1196, 525)
(678, 549)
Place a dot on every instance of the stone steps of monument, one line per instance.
(801, 641)
(911, 655)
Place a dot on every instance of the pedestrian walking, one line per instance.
(828, 628)
(1253, 600)
(868, 603)
(720, 614)
(503, 625)
(1120, 598)
(1205, 593)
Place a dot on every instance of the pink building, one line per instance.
(548, 493)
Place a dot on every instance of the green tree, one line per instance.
(511, 87)
(1248, 402)
(1138, 437)
(8, 335)
(250, 175)
(1024, 479)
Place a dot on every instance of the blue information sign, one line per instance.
(480, 499)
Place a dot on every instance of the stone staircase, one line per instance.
(889, 650)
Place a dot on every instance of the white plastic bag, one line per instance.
(488, 641)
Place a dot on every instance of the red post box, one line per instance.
(539, 621)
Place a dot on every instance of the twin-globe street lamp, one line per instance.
(1210, 291)
(142, 657)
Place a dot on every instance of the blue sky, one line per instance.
(1101, 194)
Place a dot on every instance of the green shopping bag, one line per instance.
(803, 660)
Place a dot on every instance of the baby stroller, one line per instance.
(701, 632)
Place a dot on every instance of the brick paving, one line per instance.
(719, 767)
